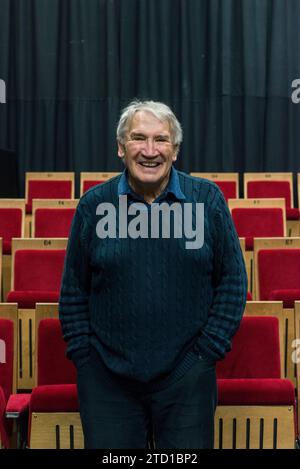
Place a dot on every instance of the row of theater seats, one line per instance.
(52, 218)
(62, 185)
(49, 205)
(59, 185)
(257, 406)
(256, 185)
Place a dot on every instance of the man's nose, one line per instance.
(150, 148)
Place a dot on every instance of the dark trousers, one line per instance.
(118, 415)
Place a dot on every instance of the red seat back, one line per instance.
(53, 366)
(228, 188)
(88, 184)
(48, 189)
(38, 269)
(53, 222)
(258, 222)
(269, 190)
(255, 350)
(278, 269)
(10, 226)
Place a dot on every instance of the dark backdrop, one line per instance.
(225, 67)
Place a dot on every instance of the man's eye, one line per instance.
(137, 137)
(161, 139)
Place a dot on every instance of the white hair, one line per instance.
(160, 110)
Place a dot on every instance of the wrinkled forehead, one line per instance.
(147, 122)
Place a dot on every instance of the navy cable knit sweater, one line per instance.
(150, 306)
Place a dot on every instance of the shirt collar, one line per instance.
(173, 186)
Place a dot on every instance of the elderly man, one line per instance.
(145, 315)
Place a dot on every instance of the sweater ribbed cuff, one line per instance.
(206, 349)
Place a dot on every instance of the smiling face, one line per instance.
(148, 153)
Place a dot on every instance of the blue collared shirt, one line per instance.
(172, 188)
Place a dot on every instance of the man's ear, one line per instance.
(121, 150)
(175, 154)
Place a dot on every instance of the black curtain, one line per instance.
(226, 67)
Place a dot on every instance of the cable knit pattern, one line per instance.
(150, 306)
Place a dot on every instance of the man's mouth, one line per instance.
(149, 164)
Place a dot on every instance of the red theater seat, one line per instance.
(37, 266)
(53, 367)
(227, 182)
(48, 190)
(251, 372)
(256, 218)
(56, 391)
(11, 226)
(37, 276)
(91, 179)
(288, 296)
(279, 275)
(229, 188)
(255, 351)
(54, 398)
(48, 186)
(88, 184)
(286, 331)
(258, 222)
(269, 190)
(272, 185)
(256, 392)
(10, 403)
(53, 222)
(250, 383)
